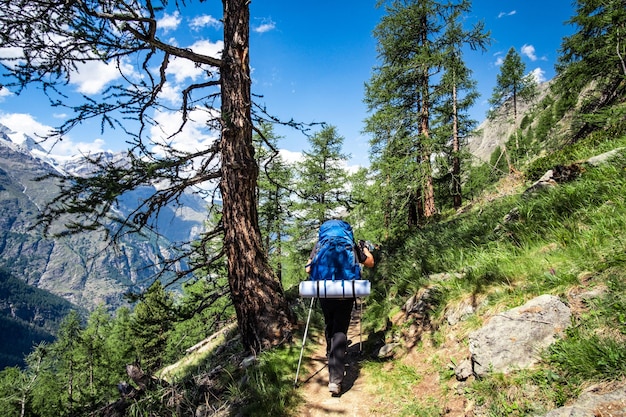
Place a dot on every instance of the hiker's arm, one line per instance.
(369, 260)
(307, 267)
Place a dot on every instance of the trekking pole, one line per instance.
(361, 328)
(306, 330)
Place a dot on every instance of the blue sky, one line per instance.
(310, 61)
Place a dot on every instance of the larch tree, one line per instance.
(151, 325)
(452, 122)
(400, 88)
(403, 94)
(274, 195)
(50, 40)
(322, 178)
(512, 84)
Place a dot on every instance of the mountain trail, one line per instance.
(362, 393)
(355, 399)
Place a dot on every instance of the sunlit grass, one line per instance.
(569, 236)
(395, 383)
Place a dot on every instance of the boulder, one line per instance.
(515, 339)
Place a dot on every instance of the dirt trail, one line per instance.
(360, 395)
(355, 400)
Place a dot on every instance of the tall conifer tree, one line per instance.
(54, 38)
(512, 83)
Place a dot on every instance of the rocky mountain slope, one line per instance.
(495, 131)
(84, 269)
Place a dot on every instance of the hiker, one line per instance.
(337, 311)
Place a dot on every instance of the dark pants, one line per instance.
(337, 314)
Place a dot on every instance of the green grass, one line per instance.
(395, 383)
(572, 232)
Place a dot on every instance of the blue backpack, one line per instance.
(335, 257)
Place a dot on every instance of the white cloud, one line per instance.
(25, 123)
(28, 125)
(169, 22)
(66, 149)
(195, 135)
(93, 76)
(499, 61)
(183, 68)
(290, 156)
(502, 14)
(539, 75)
(199, 22)
(4, 92)
(265, 26)
(171, 93)
(529, 51)
(11, 57)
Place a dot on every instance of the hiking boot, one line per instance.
(334, 389)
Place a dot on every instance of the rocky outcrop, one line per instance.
(495, 131)
(612, 403)
(515, 339)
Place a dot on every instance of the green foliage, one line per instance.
(593, 52)
(203, 309)
(594, 144)
(592, 351)
(512, 84)
(151, 326)
(395, 382)
(31, 316)
(479, 178)
(268, 386)
(589, 357)
(274, 196)
(322, 179)
(414, 111)
(502, 396)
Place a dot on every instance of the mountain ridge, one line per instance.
(84, 268)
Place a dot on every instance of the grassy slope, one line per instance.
(565, 241)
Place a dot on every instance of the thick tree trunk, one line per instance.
(263, 315)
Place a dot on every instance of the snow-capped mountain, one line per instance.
(81, 268)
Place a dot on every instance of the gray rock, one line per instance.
(590, 404)
(464, 370)
(514, 339)
(602, 158)
(386, 351)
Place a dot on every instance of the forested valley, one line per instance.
(500, 230)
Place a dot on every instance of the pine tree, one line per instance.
(408, 95)
(512, 84)
(596, 51)
(274, 192)
(69, 365)
(322, 179)
(400, 90)
(151, 324)
(451, 118)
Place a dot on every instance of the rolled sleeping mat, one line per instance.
(335, 289)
